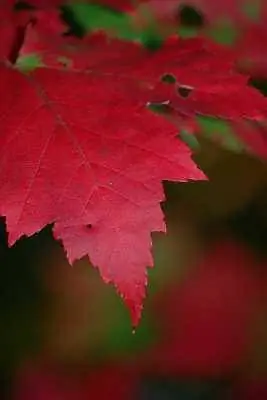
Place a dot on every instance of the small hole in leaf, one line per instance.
(168, 78)
(159, 108)
(190, 17)
(184, 91)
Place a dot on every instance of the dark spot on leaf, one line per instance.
(184, 91)
(88, 226)
(168, 78)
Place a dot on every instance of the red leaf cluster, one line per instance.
(80, 147)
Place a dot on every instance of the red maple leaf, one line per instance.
(206, 82)
(82, 151)
(205, 69)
